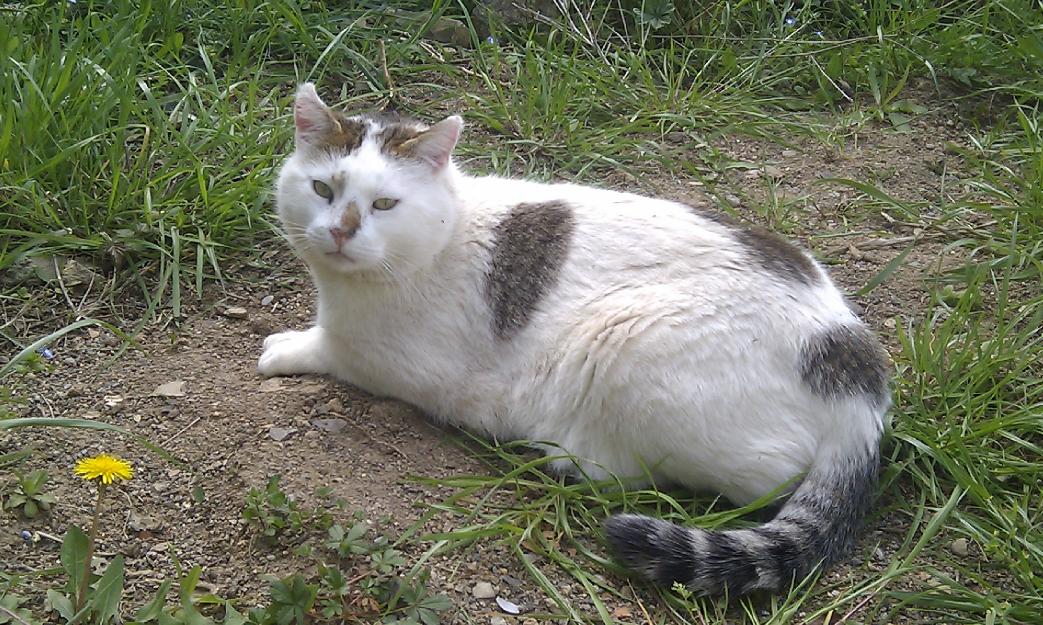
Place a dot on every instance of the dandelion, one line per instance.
(106, 468)
(103, 470)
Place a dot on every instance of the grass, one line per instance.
(140, 139)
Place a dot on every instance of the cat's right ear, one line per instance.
(311, 116)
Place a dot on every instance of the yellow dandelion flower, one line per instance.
(106, 468)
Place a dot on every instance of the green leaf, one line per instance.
(74, 557)
(12, 612)
(59, 603)
(655, 13)
(886, 272)
(30, 509)
(292, 598)
(233, 616)
(150, 611)
(14, 457)
(10, 365)
(107, 594)
(900, 121)
(188, 584)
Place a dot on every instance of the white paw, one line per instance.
(291, 353)
(280, 337)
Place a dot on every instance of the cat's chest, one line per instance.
(415, 349)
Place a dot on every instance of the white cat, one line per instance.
(643, 336)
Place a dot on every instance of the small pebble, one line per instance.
(960, 547)
(280, 434)
(497, 620)
(772, 172)
(333, 426)
(483, 590)
(267, 299)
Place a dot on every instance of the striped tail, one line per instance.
(816, 527)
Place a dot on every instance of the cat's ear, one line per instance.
(435, 145)
(311, 116)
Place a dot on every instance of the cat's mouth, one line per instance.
(339, 255)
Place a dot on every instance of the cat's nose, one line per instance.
(349, 224)
(340, 235)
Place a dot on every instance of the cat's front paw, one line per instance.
(292, 353)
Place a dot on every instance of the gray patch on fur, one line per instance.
(769, 250)
(845, 361)
(777, 255)
(715, 216)
(532, 244)
(346, 134)
(395, 139)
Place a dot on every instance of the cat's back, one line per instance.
(606, 239)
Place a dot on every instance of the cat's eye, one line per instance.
(322, 189)
(384, 204)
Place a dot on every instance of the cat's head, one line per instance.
(367, 192)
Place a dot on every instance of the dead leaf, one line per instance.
(622, 612)
(174, 388)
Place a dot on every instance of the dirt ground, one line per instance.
(234, 429)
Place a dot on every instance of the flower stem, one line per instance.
(81, 596)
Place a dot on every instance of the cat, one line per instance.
(648, 338)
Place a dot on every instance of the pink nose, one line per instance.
(340, 235)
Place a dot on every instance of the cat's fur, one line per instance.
(638, 334)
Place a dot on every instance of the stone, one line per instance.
(333, 426)
(278, 434)
(483, 590)
(174, 388)
(236, 312)
(960, 547)
(773, 172)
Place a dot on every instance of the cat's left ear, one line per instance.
(435, 145)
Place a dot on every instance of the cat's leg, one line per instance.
(295, 352)
(574, 469)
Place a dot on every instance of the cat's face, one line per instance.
(367, 193)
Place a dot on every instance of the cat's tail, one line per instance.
(817, 526)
